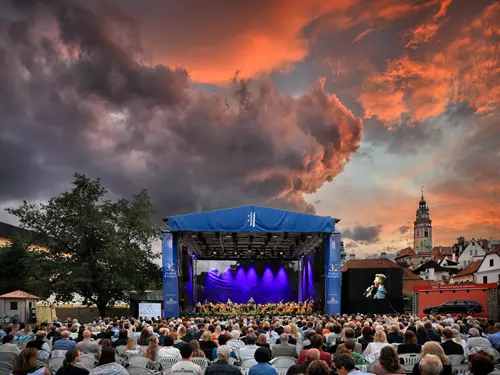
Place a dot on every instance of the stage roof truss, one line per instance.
(248, 246)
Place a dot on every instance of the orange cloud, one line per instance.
(424, 32)
(468, 70)
(213, 40)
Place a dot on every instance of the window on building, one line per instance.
(485, 279)
(426, 234)
(471, 252)
(491, 262)
(13, 305)
(475, 252)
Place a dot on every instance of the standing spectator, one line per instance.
(185, 366)
(263, 356)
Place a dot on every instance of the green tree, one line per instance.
(97, 249)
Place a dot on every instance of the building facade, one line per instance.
(422, 228)
(472, 252)
(489, 269)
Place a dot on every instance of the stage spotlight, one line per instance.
(215, 252)
(235, 253)
(261, 253)
(281, 252)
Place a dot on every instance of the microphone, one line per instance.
(368, 291)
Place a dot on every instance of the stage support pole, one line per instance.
(195, 285)
(170, 275)
(301, 262)
(332, 280)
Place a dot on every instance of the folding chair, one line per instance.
(409, 361)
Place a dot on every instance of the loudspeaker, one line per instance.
(186, 261)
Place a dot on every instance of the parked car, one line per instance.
(468, 307)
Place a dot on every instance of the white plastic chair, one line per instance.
(249, 363)
(121, 361)
(456, 359)
(409, 361)
(139, 361)
(56, 363)
(136, 370)
(283, 362)
(7, 359)
(200, 361)
(88, 361)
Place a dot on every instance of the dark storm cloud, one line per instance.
(404, 229)
(364, 235)
(77, 96)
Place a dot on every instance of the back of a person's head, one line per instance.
(66, 334)
(251, 339)
(481, 364)
(430, 364)
(107, 356)
(473, 332)
(223, 352)
(186, 351)
(350, 344)
(262, 355)
(223, 339)
(366, 331)
(123, 334)
(346, 361)
(284, 337)
(380, 337)
(70, 356)
(235, 334)
(316, 341)
(447, 333)
(7, 338)
(312, 354)
(389, 359)
(428, 325)
(25, 362)
(349, 333)
(318, 367)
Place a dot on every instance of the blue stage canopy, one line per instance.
(251, 219)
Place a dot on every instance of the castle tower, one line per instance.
(422, 228)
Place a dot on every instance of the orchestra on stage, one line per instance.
(229, 307)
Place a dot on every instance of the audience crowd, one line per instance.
(256, 345)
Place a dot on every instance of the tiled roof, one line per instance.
(408, 275)
(443, 250)
(470, 269)
(430, 264)
(19, 294)
(405, 252)
(369, 263)
(10, 231)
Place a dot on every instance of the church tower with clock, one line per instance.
(422, 228)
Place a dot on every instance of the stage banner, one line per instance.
(332, 287)
(170, 275)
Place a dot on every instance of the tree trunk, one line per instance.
(101, 306)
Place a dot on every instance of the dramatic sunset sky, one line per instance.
(339, 107)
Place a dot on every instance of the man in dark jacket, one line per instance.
(450, 347)
(394, 337)
(188, 337)
(433, 335)
(222, 366)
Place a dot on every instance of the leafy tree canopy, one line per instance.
(96, 248)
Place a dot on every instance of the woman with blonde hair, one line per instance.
(131, 348)
(207, 344)
(216, 334)
(152, 349)
(295, 332)
(379, 341)
(262, 341)
(432, 347)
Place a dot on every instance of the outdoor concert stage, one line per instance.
(248, 252)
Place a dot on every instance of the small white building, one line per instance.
(472, 252)
(17, 305)
(489, 270)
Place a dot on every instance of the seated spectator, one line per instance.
(195, 347)
(318, 368)
(350, 345)
(481, 363)
(88, 346)
(222, 366)
(409, 346)
(435, 349)
(168, 350)
(344, 364)
(132, 348)
(284, 349)
(161, 338)
(311, 355)
(144, 337)
(185, 366)
(70, 364)
(366, 337)
(107, 364)
(152, 350)
(27, 364)
(450, 347)
(64, 343)
(495, 338)
(223, 340)
(54, 334)
(291, 340)
(263, 356)
(422, 336)
(207, 344)
(41, 345)
(106, 343)
(379, 342)
(316, 343)
(349, 334)
(188, 336)
(433, 335)
(122, 339)
(431, 365)
(261, 341)
(331, 338)
(395, 337)
(476, 341)
(234, 342)
(248, 351)
(388, 362)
